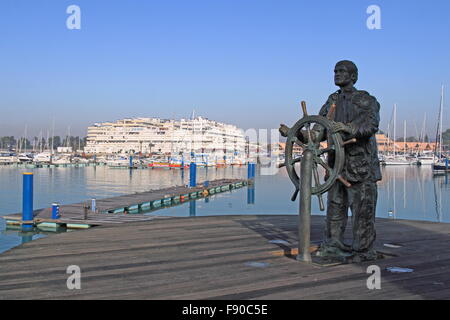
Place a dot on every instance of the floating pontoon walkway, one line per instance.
(121, 209)
(222, 257)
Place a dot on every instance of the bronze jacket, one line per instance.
(360, 111)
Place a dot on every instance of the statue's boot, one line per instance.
(368, 255)
(334, 251)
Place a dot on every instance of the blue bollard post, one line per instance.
(27, 200)
(93, 205)
(55, 211)
(249, 170)
(192, 175)
(253, 170)
(206, 183)
(446, 164)
(131, 162)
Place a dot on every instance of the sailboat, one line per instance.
(425, 158)
(396, 159)
(441, 163)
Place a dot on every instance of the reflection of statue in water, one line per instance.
(356, 116)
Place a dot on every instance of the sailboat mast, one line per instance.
(404, 138)
(386, 149)
(395, 119)
(40, 141)
(68, 138)
(422, 138)
(440, 124)
(53, 134)
(25, 138)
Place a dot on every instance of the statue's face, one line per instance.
(342, 77)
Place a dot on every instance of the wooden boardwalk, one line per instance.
(222, 257)
(74, 213)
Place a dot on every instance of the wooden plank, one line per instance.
(208, 257)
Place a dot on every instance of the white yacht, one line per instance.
(43, 157)
(25, 158)
(7, 158)
(441, 166)
(426, 160)
(119, 162)
(397, 161)
(61, 160)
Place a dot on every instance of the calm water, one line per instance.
(408, 192)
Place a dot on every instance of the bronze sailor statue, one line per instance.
(354, 115)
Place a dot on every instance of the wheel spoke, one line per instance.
(317, 180)
(325, 150)
(295, 160)
(319, 161)
(298, 142)
(308, 129)
(316, 174)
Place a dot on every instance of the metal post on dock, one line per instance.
(131, 161)
(305, 207)
(55, 211)
(93, 205)
(27, 201)
(85, 208)
(192, 175)
(253, 170)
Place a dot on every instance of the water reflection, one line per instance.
(27, 238)
(411, 192)
(192, 205)
(251, 193)
(407, 192)
(72, 185)
(12, 236)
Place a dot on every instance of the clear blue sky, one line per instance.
(246, 62)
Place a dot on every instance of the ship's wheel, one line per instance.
(322, 182)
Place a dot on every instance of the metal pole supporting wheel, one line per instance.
(311, 159)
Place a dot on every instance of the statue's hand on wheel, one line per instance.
(283, 130)
(341, 127)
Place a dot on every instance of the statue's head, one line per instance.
(345, 73)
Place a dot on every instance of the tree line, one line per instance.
(36, 143)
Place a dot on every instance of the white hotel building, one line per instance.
(168, 138)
